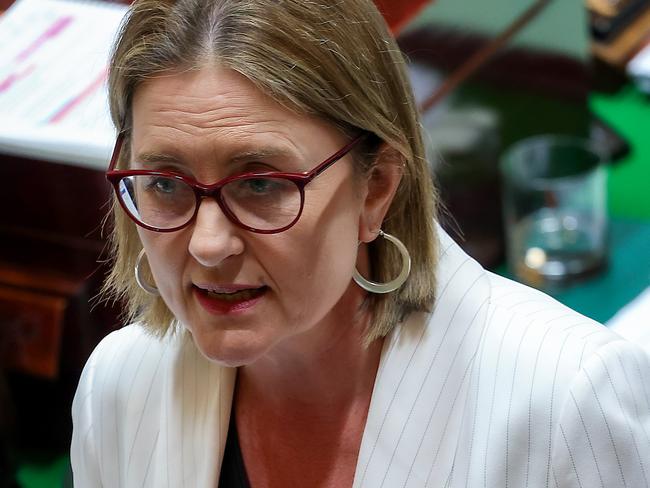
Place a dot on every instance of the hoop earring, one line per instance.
(150, 289)
(392, 285)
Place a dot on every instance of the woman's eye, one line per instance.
(260, 190)
(259, 185)
(162, 185)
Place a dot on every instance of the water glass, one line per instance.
(554, 199)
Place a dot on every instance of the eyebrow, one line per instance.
(151, 157)
(241, 156)
(267, 153)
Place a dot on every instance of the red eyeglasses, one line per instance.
(261, 202)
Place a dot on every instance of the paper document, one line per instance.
(639, 69)
(633, 320)
(53, 67)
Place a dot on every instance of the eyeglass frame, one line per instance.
(301, 180)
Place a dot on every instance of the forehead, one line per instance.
(218, 103)
(200, 95)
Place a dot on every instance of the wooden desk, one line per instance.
(620, 50)
(50, 244)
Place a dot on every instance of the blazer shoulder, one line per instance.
(125, 358)
(118, 395)
(133, 339)
(562, 390)
(523, 308)
(544, 341)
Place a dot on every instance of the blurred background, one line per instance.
(487, 74)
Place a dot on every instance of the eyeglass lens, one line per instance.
(163, 202)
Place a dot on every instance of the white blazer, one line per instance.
(500, 386)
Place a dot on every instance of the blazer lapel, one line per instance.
(194, 418)
(418, 402)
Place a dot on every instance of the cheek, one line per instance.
(166, 254)
(320, 261)
(334, 235)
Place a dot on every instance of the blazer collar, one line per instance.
(418, 402)
(194, 418)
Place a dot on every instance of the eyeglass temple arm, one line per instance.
(334, 157)
(117, 149)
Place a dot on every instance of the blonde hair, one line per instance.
(332, 59)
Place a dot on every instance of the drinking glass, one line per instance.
(554, 199)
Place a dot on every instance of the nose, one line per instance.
(214, 237)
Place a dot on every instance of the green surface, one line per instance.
(43, 474)
(626, 275)
(628, 112)
(554, 29)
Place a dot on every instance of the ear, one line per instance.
(382, 183)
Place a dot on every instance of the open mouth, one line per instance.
(236, 296)
(226, 301)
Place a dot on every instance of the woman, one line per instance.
(300, 320)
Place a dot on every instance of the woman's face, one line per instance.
(243, 295)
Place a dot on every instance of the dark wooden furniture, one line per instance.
(50, 245)
(51, 252)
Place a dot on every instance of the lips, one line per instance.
(235, 296)
(228, 299)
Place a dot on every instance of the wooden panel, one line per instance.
(621, 49)
(48, 199)
(30, 331)
(534, 70)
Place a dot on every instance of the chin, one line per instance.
(231, 348)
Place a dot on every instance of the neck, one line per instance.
(306, 403)
(328, 368)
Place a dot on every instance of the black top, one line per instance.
(233, 471)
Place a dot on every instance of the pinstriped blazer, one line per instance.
(499, 386)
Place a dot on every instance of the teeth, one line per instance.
(235, 296)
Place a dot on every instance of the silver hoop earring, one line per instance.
(392, 285)
(150, 289)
